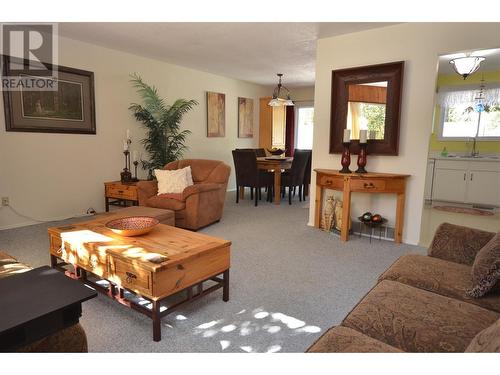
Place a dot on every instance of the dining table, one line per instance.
(276, 164)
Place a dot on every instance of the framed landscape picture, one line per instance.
(70, 108)
(216, 114)
(245, 118)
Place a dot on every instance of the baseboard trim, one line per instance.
(48, 220)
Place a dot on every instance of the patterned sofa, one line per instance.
(71, 339)
(420, 304)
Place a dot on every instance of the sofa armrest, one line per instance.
(199, 188)
(458, 244)
(145, 190)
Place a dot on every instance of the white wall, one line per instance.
(419, 45)
(302, 94)
(49, 176)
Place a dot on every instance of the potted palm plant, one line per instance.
(165, 141)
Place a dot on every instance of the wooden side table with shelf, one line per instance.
(372, 183)
(119, 193)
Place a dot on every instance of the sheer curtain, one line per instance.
(354, 119)
(450, 97)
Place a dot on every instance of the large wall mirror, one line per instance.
(367, 98)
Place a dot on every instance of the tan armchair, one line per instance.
(200, 204)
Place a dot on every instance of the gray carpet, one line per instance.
(289, 283)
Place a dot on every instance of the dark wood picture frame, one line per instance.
(14, 121)
(390, 72)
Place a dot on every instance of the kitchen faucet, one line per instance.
(474, 152)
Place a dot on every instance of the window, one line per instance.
(366, 116)
(467, 120)
(305, 125)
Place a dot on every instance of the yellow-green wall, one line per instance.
(460, 146)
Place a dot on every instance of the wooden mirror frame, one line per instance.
(390, 72)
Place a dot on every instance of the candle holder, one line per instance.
(125, 175)
(346, 158)
(136, 163)
(362, 158)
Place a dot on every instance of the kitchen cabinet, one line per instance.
(483, 185)
(449, 185)
(471, 182)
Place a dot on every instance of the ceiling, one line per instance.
(491, 63)
(253, 52)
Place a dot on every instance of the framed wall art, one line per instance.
(69, 108)
(245, 118)
(216, 114)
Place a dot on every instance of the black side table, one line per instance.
(38, 303)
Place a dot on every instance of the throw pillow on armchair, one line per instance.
(173, 181)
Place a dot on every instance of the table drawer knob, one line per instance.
(328, 181)
(368, 185)
(130, 277)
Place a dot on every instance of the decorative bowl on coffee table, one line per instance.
(132, 226)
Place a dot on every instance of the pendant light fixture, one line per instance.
(467, 65)
(277, 101)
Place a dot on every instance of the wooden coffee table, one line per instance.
(152, 267)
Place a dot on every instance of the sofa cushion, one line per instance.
(439, 276)
(160, 201)
(415, 320)
(486, 341)
(457, 243)
(486, 268)
(10, 266)
(346, 340)
(6, 259)
(69, 340)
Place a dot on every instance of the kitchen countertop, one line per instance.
(485, 157)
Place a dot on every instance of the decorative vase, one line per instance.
(362, 158)
(346, 158)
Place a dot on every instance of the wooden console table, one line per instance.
(373, 183)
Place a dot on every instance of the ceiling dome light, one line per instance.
(276, 101)
(467, 65)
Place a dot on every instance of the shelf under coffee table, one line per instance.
(143, 272)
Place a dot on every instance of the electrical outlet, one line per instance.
(5, 201)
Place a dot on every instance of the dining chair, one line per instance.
(296, 174)
(259, 152)
(307, 176)
(248, 175)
